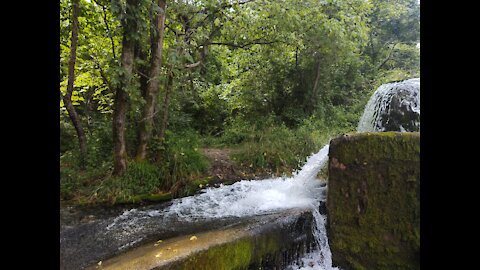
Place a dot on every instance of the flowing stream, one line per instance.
(245, 198)
(255, 197)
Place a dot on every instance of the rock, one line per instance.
(373, 201)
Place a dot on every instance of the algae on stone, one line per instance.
(373, 200)
(270, 242)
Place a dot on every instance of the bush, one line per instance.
(276, 149)
(140, 178)
(76, 184)
(181, 159)
(67, 137)
(279, 149)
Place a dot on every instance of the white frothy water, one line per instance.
(379, 104)
(247, 198)
(321, 257)
(254, 197)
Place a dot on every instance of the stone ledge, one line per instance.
(270, 241)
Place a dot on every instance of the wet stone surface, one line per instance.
(87, 243)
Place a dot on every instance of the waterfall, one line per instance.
(393, 107)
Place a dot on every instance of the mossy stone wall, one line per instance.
(373, 200)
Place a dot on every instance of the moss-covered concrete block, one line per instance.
(373, 200)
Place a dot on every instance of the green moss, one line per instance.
(236, 255)
(191, 187)
(374, 200)
(373, 146)
(355, 264)
(241, 254)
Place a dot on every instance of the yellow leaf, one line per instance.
(193, 238)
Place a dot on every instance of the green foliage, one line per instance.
(181, 159)
(76, 184)
(67, 137)
(278, 149)
(275, 149)
(141, 178)
(276, 80)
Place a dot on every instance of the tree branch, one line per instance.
(388, 57)
(102, 73)
(194, 64)
(108, 28)
(230, 44)
(167, 26)
(222, 7)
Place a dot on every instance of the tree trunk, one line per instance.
(146, 123)
(121, 95)
(67, 99)
(314, 98)
(166, 104)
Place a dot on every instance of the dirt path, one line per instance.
(222, 167)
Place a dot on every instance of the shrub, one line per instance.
(181, 158)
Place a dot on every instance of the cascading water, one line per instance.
(393, 107)
(256, 197)
(249, 198)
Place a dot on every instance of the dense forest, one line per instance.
(147, 85)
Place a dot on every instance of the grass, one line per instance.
(258, 149)
(278, 150)
(182, 163)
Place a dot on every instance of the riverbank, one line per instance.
(222, 170)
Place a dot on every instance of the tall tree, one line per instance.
(129, 25)
(67, 98)
(166, 104)
(395, 27)
(152, 89)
